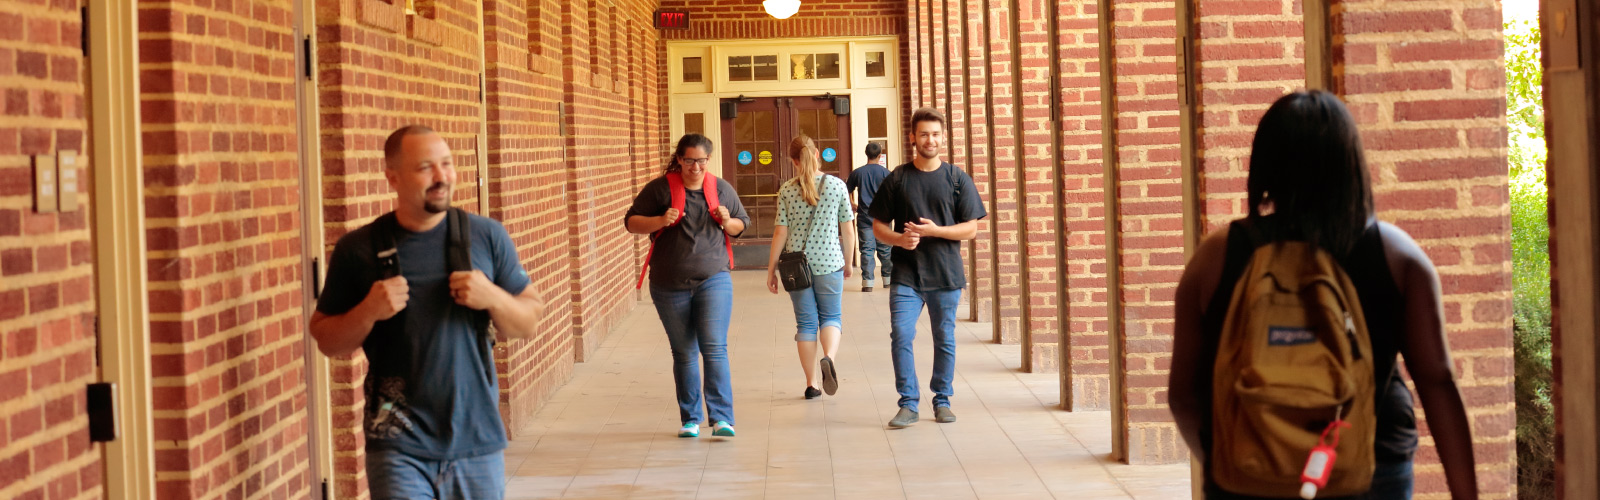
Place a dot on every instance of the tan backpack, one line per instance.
(1294, 352)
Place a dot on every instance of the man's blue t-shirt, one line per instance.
(431, 386)
(865, 180)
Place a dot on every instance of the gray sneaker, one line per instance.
(905, 418)
(943, 415)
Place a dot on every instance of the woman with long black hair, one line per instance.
(1309, 183)
(692, 216)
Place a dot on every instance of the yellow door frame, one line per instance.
(120, 259)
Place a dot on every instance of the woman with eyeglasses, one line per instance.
(690, 257)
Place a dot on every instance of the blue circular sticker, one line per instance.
(745, 158)
(828, 155)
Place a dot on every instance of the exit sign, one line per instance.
(672, 20)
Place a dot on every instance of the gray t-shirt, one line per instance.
(431, 387)
(692, 250)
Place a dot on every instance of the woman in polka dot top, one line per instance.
(814, 209)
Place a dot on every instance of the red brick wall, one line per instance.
(1086, 379)
(379, 69)
(600, 179)
(746, 19)
(47, 346)
(1426, 82)
(527, 190)
(1149, 214)
(222, 179)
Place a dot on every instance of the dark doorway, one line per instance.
(755, 158)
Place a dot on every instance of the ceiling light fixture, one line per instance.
(781, 9)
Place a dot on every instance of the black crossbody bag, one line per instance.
(794, 269)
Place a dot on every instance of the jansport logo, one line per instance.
(1290, 335)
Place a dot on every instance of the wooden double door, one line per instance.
(755, 157)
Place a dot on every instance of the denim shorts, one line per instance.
(818, 307)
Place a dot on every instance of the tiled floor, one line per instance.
(610, 432)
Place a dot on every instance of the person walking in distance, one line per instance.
(417, 290)
(925, 209)
(693, 217)
(816, 206)
(863, 185)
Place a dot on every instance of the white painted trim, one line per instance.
(119, 238)
(319, 385)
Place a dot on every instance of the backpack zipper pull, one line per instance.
(1350, 332)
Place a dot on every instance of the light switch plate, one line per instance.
(44, 184)
(67, 177)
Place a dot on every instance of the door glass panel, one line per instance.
(763, 129)
(877, 122)
(827, 66)
(808, 123)
(827, 124)
(739, 68)
(875, 64)
(694, 123)
(766, 68)
(692, 70)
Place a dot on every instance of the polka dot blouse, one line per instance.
(821, 243)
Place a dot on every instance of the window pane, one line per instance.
(800, 67)
(763, 126)
(883, 147)
(739, 68)
(766, 68)
(808, 124)
(875, 65)
(877, 122)
(694, 123)
(827, 65)
(827, 125)
(691, 70)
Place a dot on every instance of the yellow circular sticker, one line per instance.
(766, 157)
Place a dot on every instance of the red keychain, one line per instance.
(1319, 465)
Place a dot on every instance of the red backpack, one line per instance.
(675, 186)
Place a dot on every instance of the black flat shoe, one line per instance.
(830, 377)
(812, 393)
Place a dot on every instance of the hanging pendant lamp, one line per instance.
(781, 9)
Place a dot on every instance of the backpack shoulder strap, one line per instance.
(384, 247)
(709, 189)
(676, 188)
(458, 249)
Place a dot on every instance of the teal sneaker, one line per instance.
(689, 430)
(722, 429)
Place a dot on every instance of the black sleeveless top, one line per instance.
(1395, 439)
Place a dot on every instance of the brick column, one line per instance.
(980, 158)
(47, 265)
(1249, 55)
(1148, 210)
(1426, 83)
(222, 198)
(1038, 176)
(1010, 288)
(1086, 382)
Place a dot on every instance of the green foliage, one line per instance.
(1530, 246)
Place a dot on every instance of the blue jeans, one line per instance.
(697, 327)
(869, 246)
(392, 475)
(818, 304)
(905, 305)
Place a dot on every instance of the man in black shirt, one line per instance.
(864, 181)
(925, 208)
